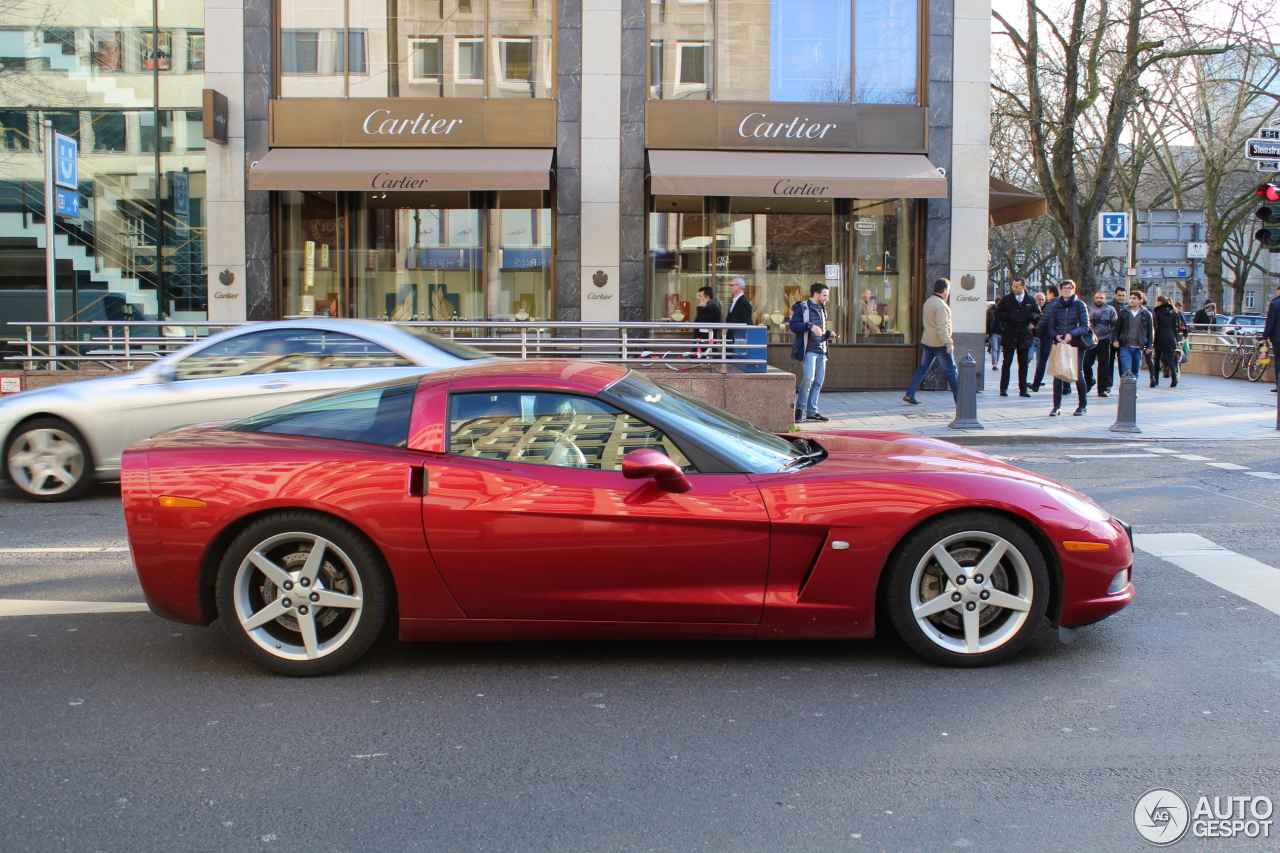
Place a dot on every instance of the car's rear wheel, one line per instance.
(302, 594)
(968, 589)
(49, 460)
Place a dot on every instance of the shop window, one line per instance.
(827, 51)
(195, 50)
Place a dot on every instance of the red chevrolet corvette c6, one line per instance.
(573, 499)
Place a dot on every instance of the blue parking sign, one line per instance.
(66, 202)
(1113, 226)
(66, 168)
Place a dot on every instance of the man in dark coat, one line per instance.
(1018, 315)
(1046, 343)
(1135, 334)
(1103, 318)
(708, 311)
(1271, 331)
(1167, 321)
(1065, 322)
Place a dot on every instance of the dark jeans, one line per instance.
(1045, 348)
(1103, 354)
(1166, 359)
(927, 358)
(1060, 387)
(1024, 356)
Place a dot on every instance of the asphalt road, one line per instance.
(124, 732)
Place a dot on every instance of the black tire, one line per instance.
(48, 460)
(1230, 364)
(1018, 576)
(351, 574)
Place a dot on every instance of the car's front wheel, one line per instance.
(302, 594)
(49, 460)
(968, 589)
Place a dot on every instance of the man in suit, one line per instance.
(1018, 314)
(1271, 332)
(739, 307)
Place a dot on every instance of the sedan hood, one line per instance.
(884, 452)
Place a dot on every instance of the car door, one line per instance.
(256, 371)
(528, 516)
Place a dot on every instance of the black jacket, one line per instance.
(1018, 319)
(1066, 318)
(1271, 331)
(1204, 318)
(1167, 320)
(1042, 324)
(740, 311)
(709, 313)
(1122, 328)
(994, 326)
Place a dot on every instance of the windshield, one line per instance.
(751, 448)
(446, 345)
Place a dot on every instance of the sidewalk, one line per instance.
(1201, 407)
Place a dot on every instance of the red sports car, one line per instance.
(572, 499)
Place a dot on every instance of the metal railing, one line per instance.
(125, 345)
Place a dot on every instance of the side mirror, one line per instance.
(647, 463)
(165, 375)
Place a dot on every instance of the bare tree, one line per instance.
(1077, 73)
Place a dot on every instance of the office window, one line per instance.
(470, 59)
(299, 51)
(427, 64)
(356, 49)
(517, 60)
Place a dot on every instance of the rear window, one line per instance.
(374, 414)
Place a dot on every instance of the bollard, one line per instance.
(967, 398)
(1127, 407)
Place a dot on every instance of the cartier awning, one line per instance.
(1008, 203)
(421, 169)
(798, 175)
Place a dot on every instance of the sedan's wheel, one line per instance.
(302, 594)
(49, 460)
(968, 590)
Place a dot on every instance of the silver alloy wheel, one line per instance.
(298, 596)
(46, 461)
(971, 592)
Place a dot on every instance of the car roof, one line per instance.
(551, 373)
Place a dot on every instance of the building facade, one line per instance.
(522, 160)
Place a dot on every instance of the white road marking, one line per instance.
(1236, 573)
(61, 550)
(36, 607)
(1160, 450)
(1266, 475)
(1108, 456)
(1227, 466)
(1192, 457)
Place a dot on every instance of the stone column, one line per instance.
(970, 174)
(224, 172)
(259, 287)
(601, 121)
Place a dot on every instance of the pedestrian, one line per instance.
(1149, 354)
(1271, 332)
(1120, 302)
(1166, 335)
(1018, 314)
(739, 312)
(1067, 322)
(1135, 334)
(993, 335)
(1045, 344)
(739, 307)
(935, 341)
(1103, 318)
(1207, 315)
(708, 312)
(809, 323)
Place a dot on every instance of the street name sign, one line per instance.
(1262, 149)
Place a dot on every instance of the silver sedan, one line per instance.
(58, 439)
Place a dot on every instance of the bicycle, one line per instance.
(1254, 368)
(1239, 353)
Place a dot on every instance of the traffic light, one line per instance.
(1269, 215)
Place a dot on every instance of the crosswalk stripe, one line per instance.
(1266, 475)
(1236, 573)
(39, 607)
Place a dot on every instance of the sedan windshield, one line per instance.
(448, 345)
(749, 447)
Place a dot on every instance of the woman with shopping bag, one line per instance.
(1068, 327)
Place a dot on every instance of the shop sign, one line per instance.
(526, 259)
(449, 259)
(785, 126)
(215, 114)
(412, 123)
(864, 226)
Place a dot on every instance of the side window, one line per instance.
(286, 351)
(550, 429)
(373, 415)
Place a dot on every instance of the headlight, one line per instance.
(1080, 506)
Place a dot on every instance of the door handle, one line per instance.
(279, 383)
